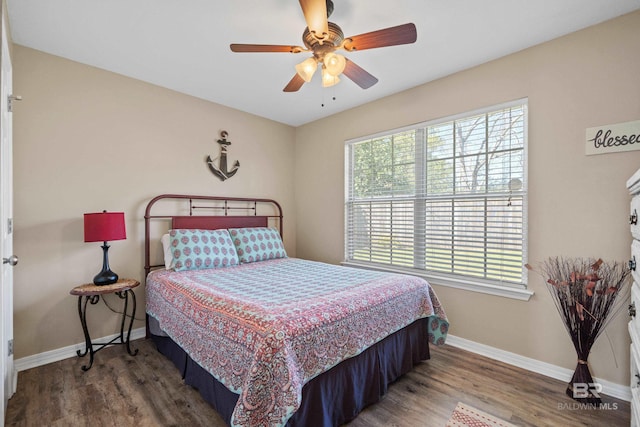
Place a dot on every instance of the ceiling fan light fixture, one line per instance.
(322, 39)
(306, 68)
(328, 80)
(334, 63)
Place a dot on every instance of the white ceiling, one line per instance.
(184, 44)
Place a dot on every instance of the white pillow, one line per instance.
(166, 250)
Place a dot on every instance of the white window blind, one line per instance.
(445, 197)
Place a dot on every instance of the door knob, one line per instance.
(12, 260)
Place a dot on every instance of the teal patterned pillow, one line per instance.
(257, 244)
(200, 249)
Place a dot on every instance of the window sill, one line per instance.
(519, 293)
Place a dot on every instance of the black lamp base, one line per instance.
(106, 276)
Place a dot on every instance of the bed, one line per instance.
(270, 340)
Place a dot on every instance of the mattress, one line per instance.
(265, 329)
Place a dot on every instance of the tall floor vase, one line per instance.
(587, 294)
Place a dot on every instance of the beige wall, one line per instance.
(87, 140)
(578, 205)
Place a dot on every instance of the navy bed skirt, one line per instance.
(332, 398)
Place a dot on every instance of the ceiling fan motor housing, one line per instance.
(322, 47)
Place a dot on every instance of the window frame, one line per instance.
(455, 280)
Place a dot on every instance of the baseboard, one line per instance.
(609, 388)
(56, 355)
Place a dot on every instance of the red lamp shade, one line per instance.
(104, 227)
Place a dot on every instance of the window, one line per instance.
(445, 199)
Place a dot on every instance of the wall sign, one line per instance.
(613, 138)
(221, 169)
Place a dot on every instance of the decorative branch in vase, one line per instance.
(588, 294)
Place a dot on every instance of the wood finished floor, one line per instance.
(147, 390)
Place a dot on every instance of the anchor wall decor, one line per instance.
(221, 170)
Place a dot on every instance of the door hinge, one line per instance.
(10, 100)
(9, 226)
(10, 346)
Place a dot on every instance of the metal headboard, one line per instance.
(231, 212)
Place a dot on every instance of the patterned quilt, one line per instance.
(266, 328)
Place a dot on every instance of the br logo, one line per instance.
(585, 390)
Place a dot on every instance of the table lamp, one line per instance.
(104, 227)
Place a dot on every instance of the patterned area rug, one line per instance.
(468, 416)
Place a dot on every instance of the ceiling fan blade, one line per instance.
(315, 13)
(294, 84)
(402, 34)
(358, 75)
(265, 48)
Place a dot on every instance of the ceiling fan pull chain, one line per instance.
(333, 97)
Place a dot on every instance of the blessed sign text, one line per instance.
(613, 138)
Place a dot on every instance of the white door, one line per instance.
(6, 229)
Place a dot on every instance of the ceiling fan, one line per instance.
(323, 38)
